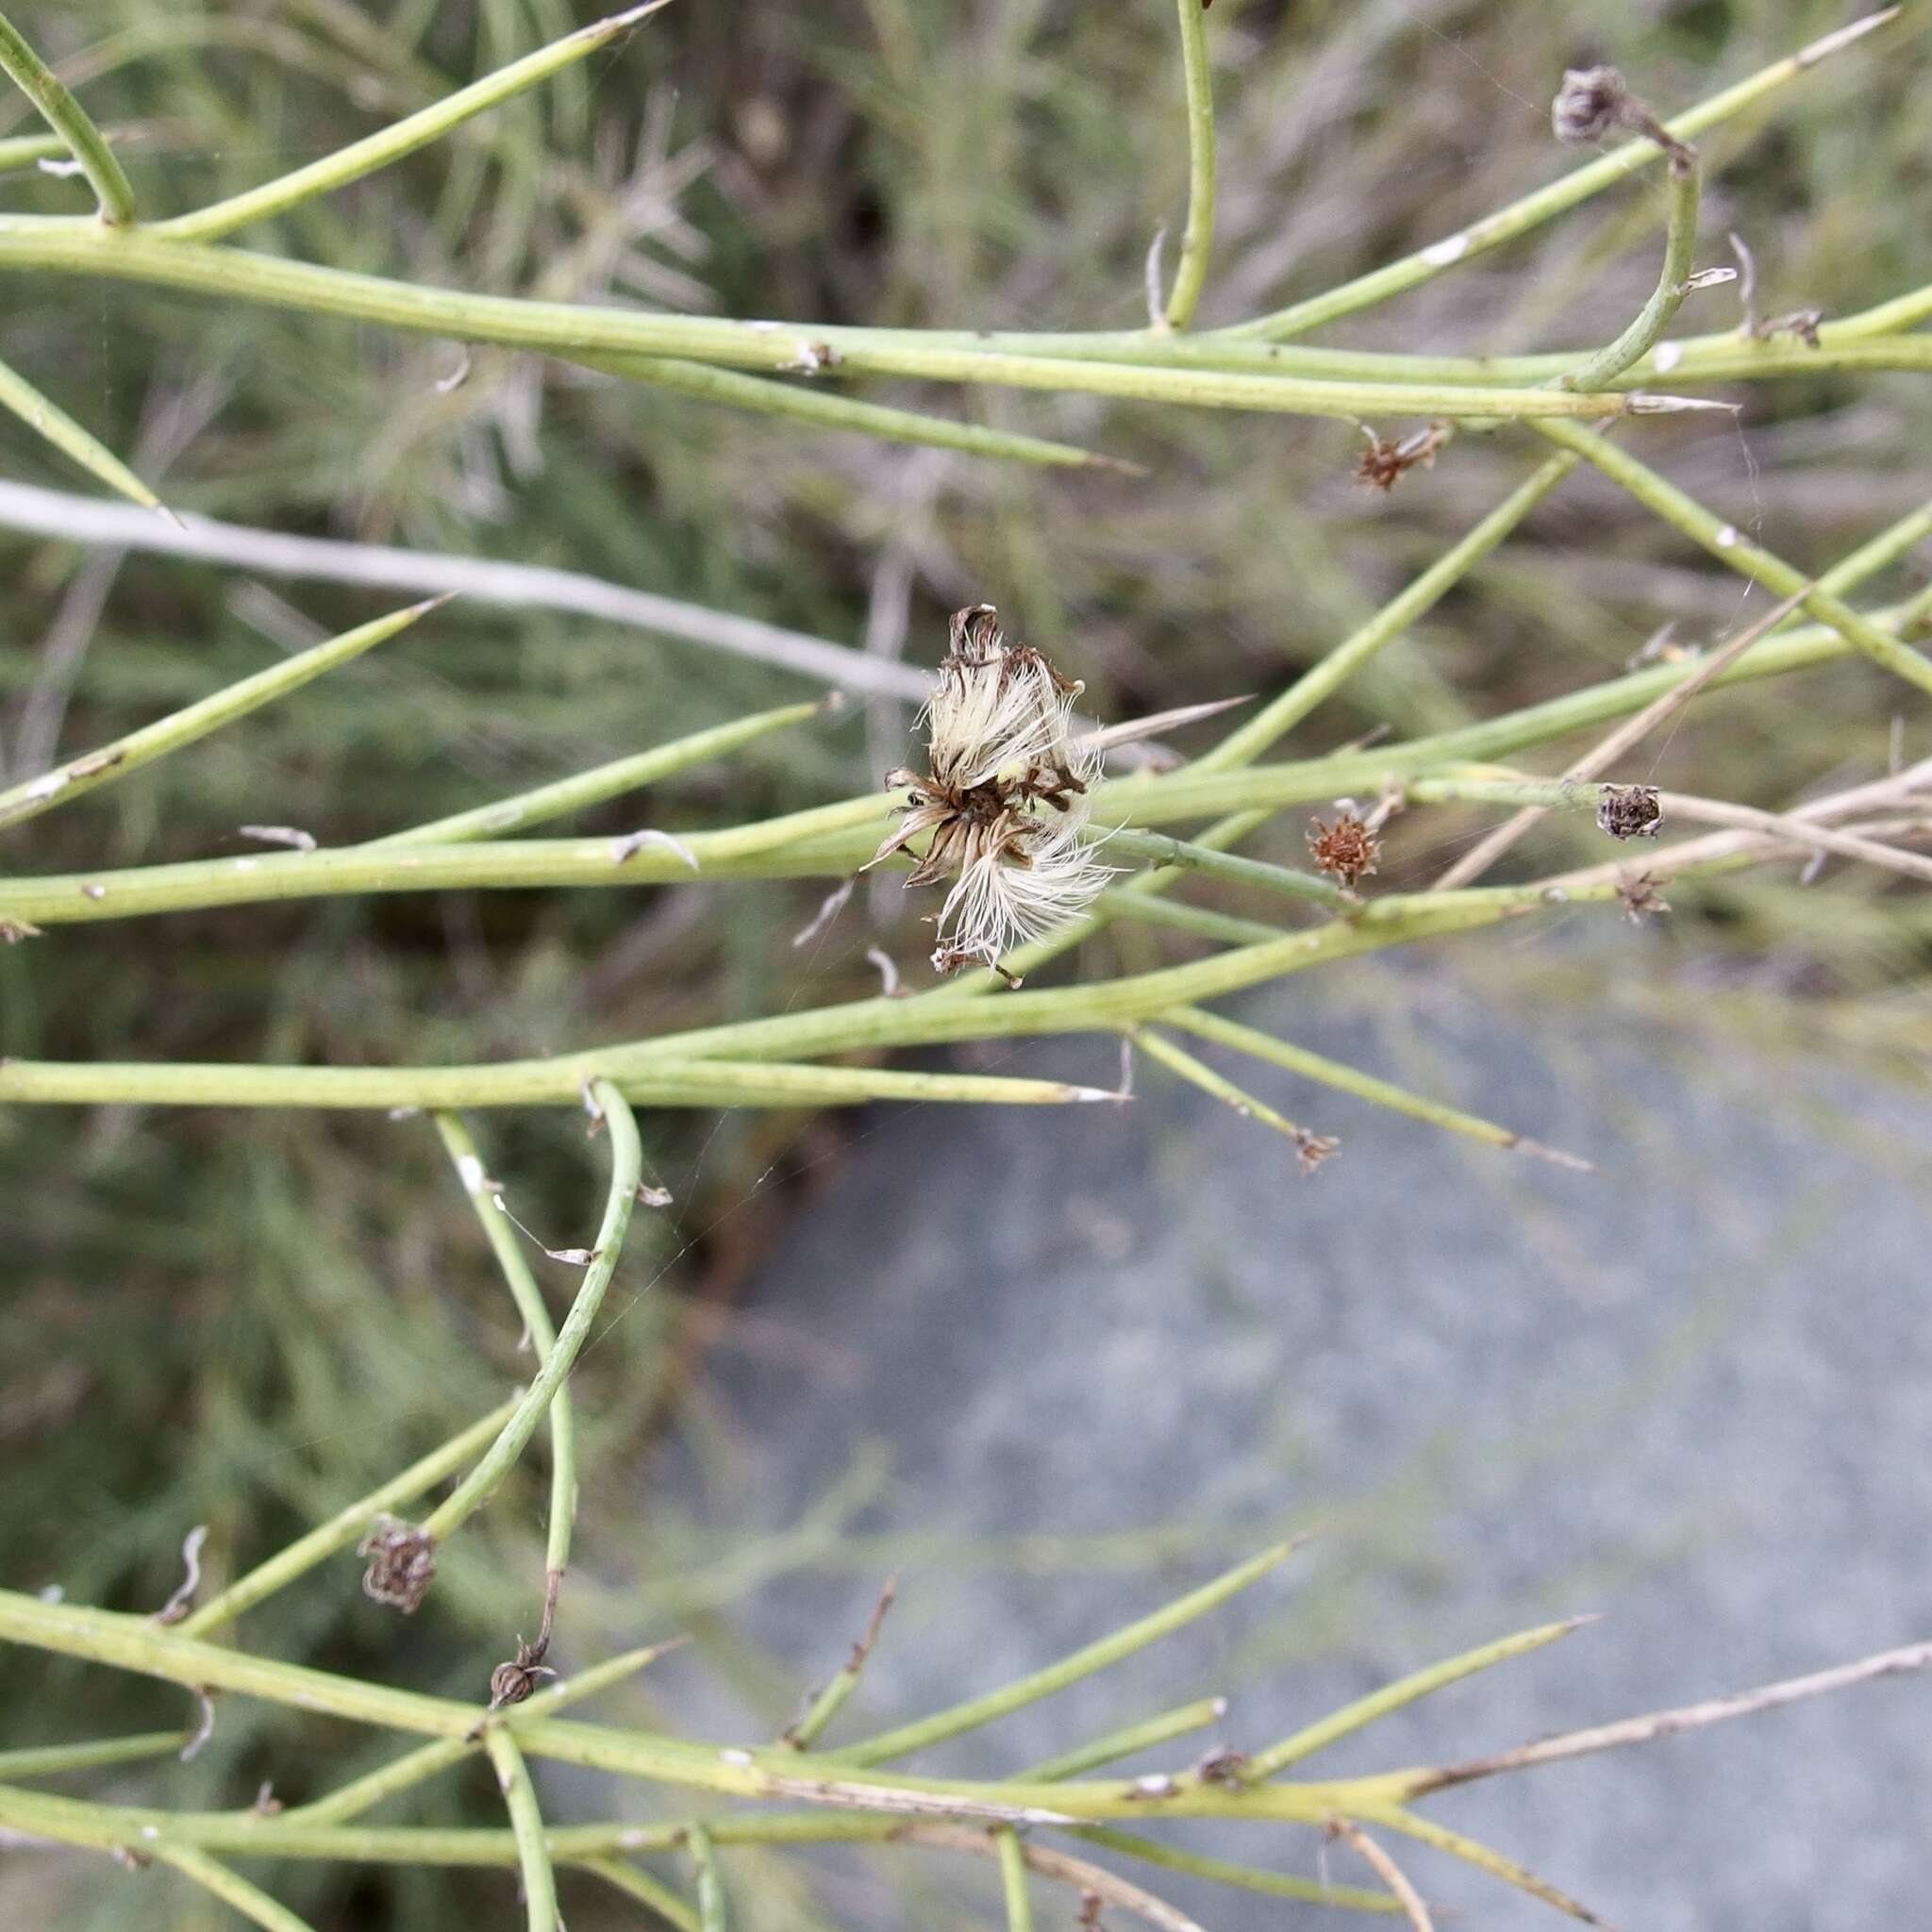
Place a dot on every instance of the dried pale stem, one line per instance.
(1388, 1871)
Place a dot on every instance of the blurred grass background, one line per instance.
(247, 1320)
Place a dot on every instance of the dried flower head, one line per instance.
(1005, 798)
(1640, 897)
(402, 1563)
(1383, 464)
(1345, 848)
(1595, 101)
(1313, 1149)
(1630, 811)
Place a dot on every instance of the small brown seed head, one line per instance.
(402, 1563)
(1630, 811)
(1344, 848)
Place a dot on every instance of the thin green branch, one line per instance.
(1197, 242)
(828, 409)
(1729, 545)
(526, 1825)
(21, 398)
(1345, 1079)
(402, 138)
(1131, 1738)
(601, 782)
(184, 727)
(1155, 848)
(343, 1528)
(1243, 1877)
(1405, 1691)
(1312, 1147)
(1472, 1851)
(626, 1157)
(1545, 203)
(530, 1305)
(70, 120)
(829, 1701)
(1030, 1688)
(46, 1760)
(232, 1889)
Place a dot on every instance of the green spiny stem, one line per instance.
(70, 120)
(1405, 1691)
(363, 1793)
(585, 789)
(530, 1305)
(139, 1645)
(1673, 284)
(1345, 1079)
(342, 1528)
(526, 1827)
(1197, 241)
(67, 246)
(402, 137)
(1729, 545)
(978, 1711)
(83, 774)
(1131, 1738)
(21, 398)
(1545, 203)
(232, 1889)
(515, 1083)
(828, 409)
(627, 1161)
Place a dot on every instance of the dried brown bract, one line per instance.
(1383, 464)
(1313, 1149)
(512, 1682)
(1801, 323)
(402, 1563)
(1630, 811)
(1640, 898)
(1223, 1767)
(1004, 798)
(13, 930)
(1345, 848)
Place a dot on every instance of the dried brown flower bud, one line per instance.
(1383, 464)
(1346, 848)
(512, 1682)
(1630, 811)
(1313, 1149)
(402, 1563)
(1591, 103)
(1640, 897)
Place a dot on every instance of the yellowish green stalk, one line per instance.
(526, 1827)
(95, 769)
(1157, 849)
(1427, 1831)
(1225, 1871)
(1013, 1882)
(70, 122)
(634, 1882)
(46, 1760)
(1197, 1074)
(710, 1881)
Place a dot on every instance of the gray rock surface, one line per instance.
(1111, 1349)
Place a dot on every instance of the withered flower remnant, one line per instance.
(1346, 847)
(1005, 796)
(1630, 811)
(402, 1563)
